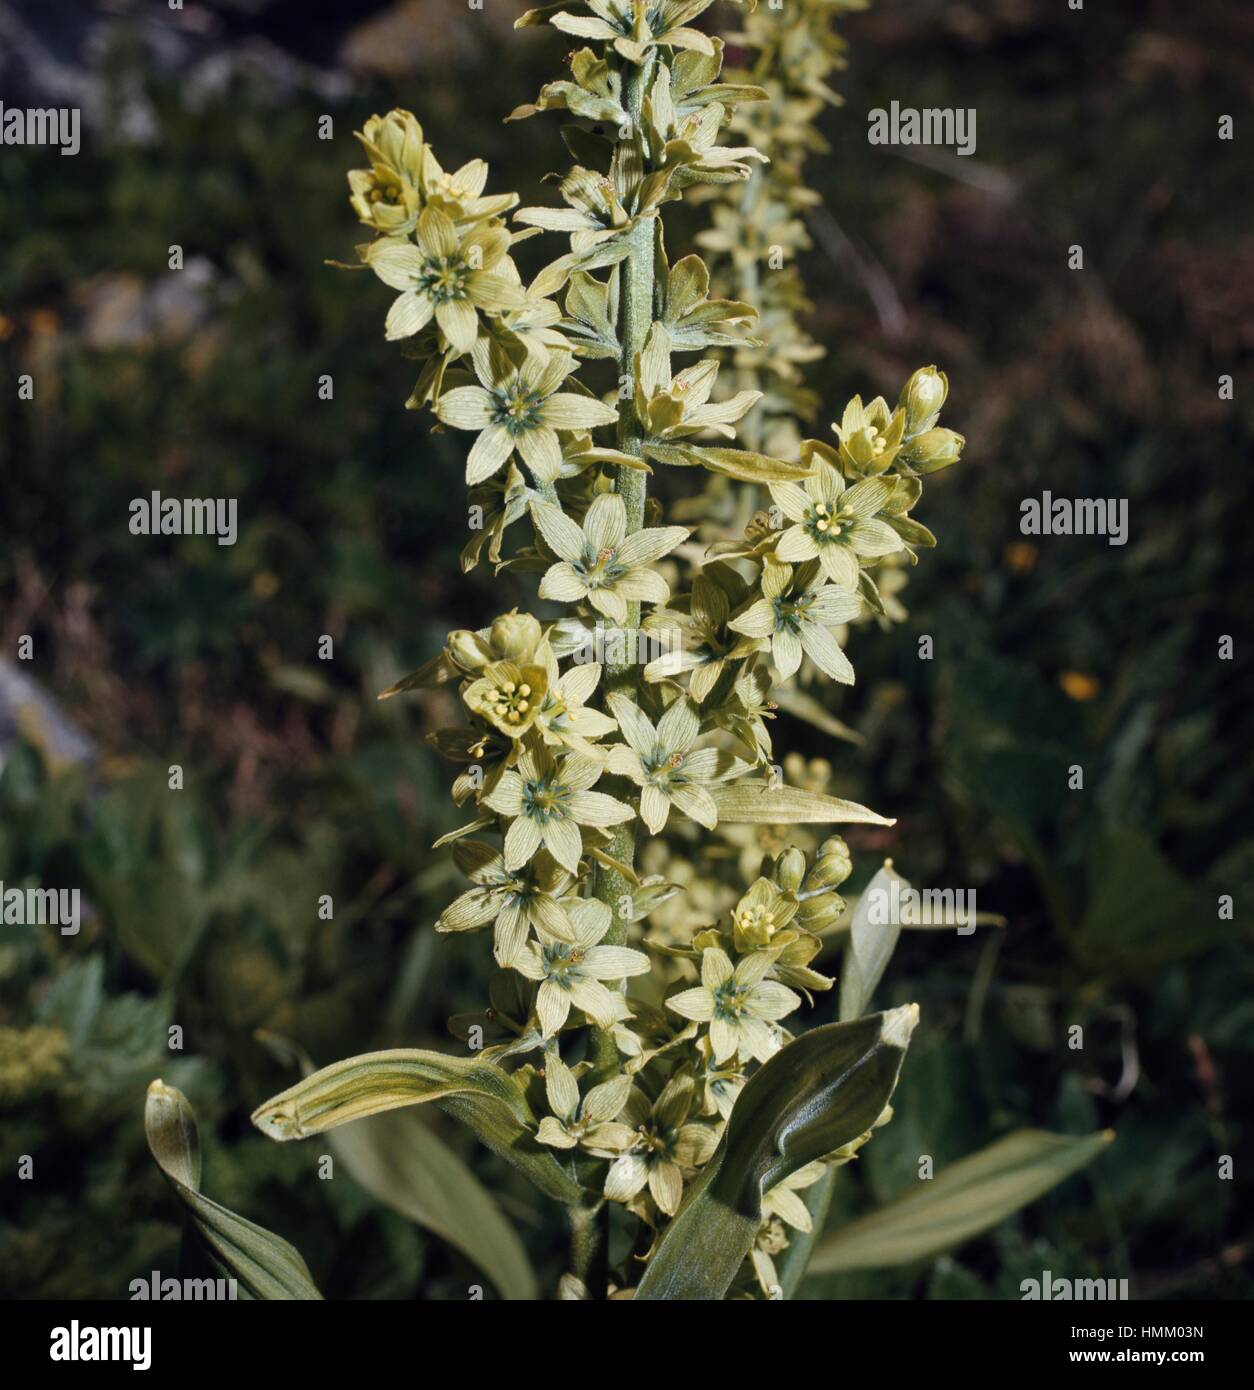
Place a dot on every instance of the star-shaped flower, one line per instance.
(511, 899)
(599, 562)
(835, 524)
(519, 408)
(586, 1121)
(737, 1002)
(663, 1146)
(632, 26)
(593, 212)
(570, 973)
(709, 646)
(678, 407)
(797, 621)
(662, 762)
(565, 719)
(508, 696)
(548, 802)
(448, 275)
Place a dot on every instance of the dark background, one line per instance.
(1096, 128)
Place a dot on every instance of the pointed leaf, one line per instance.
(266, 1266)
(816, 1094)
(960, 1202)
(758, 803)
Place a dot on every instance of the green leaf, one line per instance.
(402, 1163)
(482, 1096)
(962, 1201)
(871, 944)
(1138, 905)
(432, 673)
(806, 707)
(266, 1266)
(758, 803)
(818, 1093)
(745, 466)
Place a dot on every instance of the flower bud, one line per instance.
(832, 865)
(933, 450)
(468, 650)
(817, 914)
(921, 398)
(515, 636)
(396, 140)
(790, 869)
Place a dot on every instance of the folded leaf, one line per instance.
(747, 467)
(758, 803)
(485, 1098)
(872, 939)
(432, 673)
(963, 1200)
(816, 1094)
(265, 1265)
(402, 1163)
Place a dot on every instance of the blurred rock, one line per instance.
(27, 712)
(127, 311)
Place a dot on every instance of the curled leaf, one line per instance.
(485, 1098)
(265, 1265)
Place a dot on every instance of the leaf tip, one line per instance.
(898, 1025)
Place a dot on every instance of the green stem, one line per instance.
(586, 1244)
(637, 318)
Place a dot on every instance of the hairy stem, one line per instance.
(587, 1246)
(636, 320)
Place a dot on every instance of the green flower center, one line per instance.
(790, 614)
(655, 1142)
(824, 524)
(545, 800)
(445, 278)
(730, 1000)
(665, 768)
(562, 963)
(600, 570)
(517, 408)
